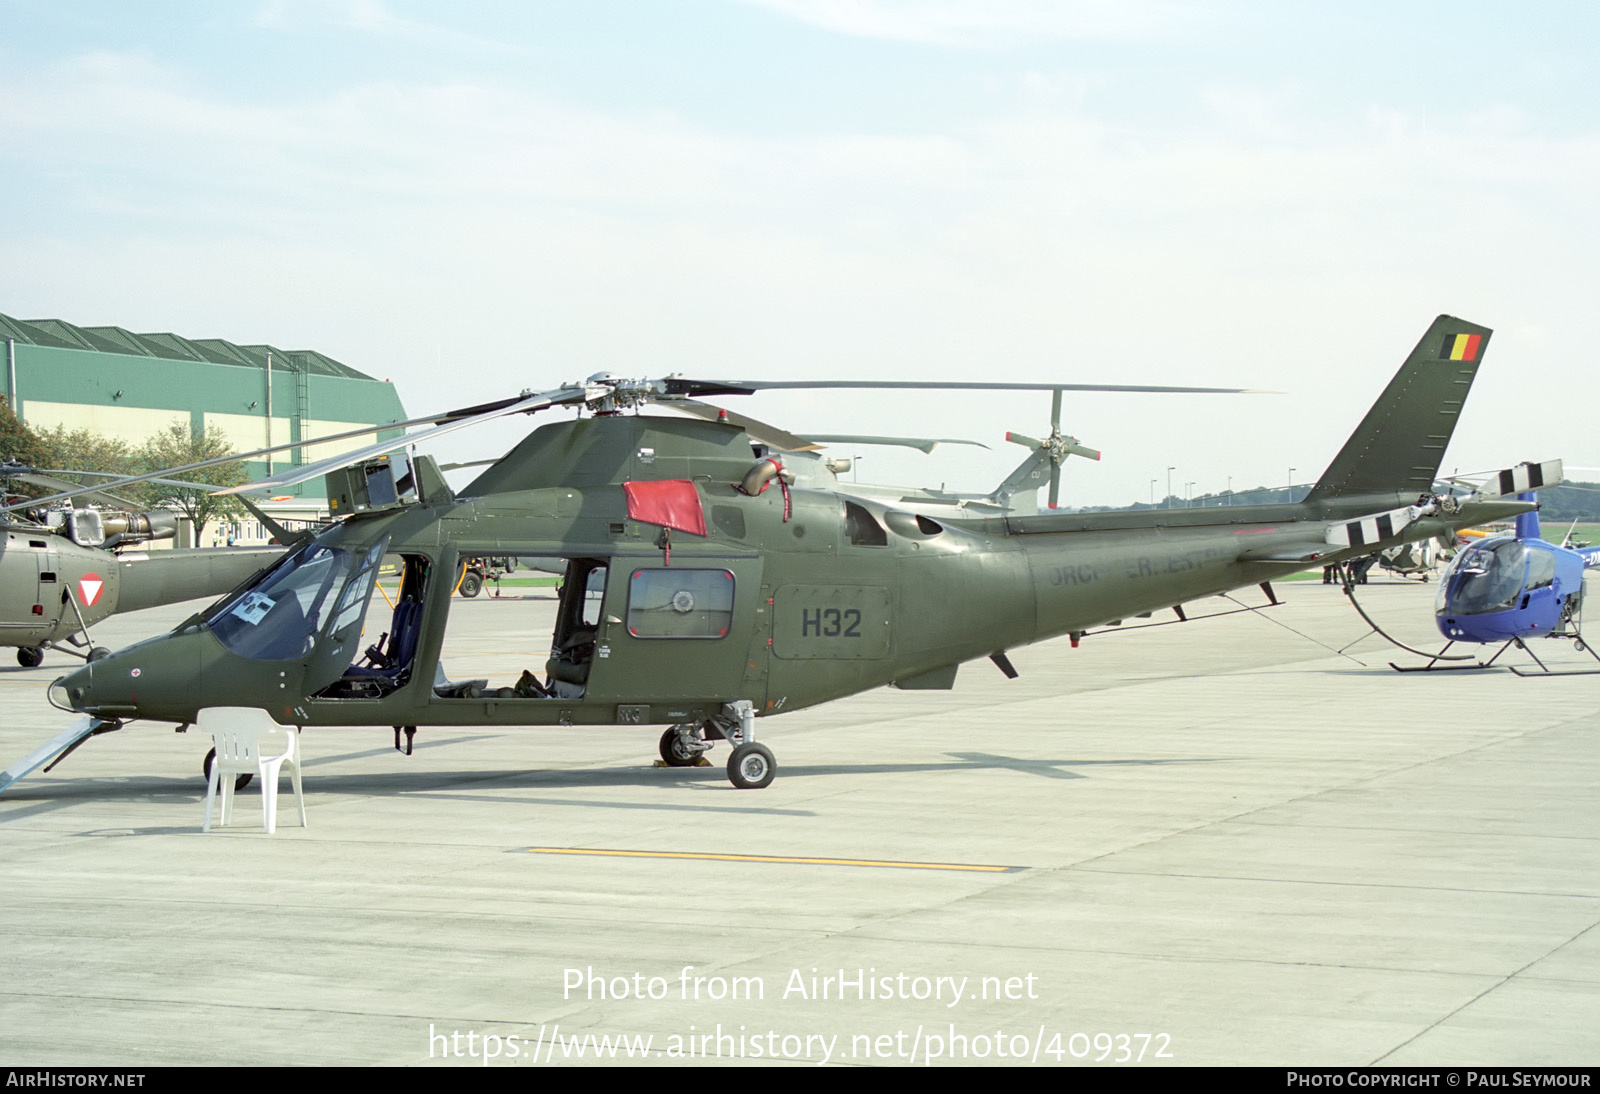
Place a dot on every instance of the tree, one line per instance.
(18, 442)
(86, 450)
(180, 444)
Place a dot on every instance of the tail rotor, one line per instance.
(1056, 447)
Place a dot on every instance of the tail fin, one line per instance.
(1032, 473)
(1398, 446)
(1528, 523)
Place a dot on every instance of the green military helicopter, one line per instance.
(726, 592)
(63, 568)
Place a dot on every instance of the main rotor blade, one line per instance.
(466, 415)
(921, 444)
(764, 432)
(93, 494)
(741, 387)
(333, 463)
(774, 437)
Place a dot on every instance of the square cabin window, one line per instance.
(680, 603)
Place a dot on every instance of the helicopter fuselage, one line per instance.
(789, 598)
(1508, 587)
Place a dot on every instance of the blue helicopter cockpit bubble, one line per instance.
(1485, 577)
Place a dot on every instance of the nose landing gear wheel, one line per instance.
(30, 657)
(751, 767)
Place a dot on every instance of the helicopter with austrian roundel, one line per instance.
(64, 568)
(736, 579)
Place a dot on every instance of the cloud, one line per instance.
(509, 238)
(370, 17)
(991, 23)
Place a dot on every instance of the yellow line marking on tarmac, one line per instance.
(798, 861)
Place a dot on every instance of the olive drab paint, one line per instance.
(798, 592)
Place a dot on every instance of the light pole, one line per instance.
(1291, 484)
(1153, 493)
(1188, 496)
(1230, 489)
(1170, 470)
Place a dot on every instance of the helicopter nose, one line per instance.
(92, 689)
(69, 692)
(157, 678)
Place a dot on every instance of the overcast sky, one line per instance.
(475, 198)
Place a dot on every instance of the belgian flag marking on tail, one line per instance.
(1460, 347)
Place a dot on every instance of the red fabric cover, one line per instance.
(674, 503)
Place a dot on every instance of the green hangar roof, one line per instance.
(130, 387)
(63, 335)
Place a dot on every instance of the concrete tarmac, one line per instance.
(1219, 842)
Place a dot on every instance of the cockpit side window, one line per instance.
(353, 604)
(280, 618)
(1541, 569)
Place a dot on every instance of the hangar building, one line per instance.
(132, 386)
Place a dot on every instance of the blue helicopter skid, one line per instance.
(1433, 663)
(1545, 670)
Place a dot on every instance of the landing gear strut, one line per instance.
(751, 767)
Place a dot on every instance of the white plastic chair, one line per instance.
(242, 736)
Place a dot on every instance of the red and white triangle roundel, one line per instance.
(89, 587)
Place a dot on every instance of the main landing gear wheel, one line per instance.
(239, 781)
(751, 767)
(471, 585)
(30, 657)
(674, 754)
(98, 652)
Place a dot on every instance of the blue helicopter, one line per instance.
(1511, 587)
